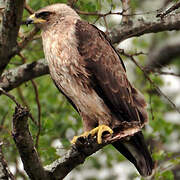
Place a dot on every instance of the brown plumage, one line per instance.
(87, 70)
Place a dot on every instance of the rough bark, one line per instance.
(15, 77)
(143, 26)
(11, 21)
(25, 145)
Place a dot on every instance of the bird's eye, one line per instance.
(43, 14)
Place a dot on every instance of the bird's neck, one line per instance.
(60, 43)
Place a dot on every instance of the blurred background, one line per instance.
(157, 53)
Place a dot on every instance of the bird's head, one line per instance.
(51, 15)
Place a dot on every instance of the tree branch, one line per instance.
(75, 156)
(142, 26)
(28, 38)
(29, 9)
(159, 72)
(25, 145)
(15, 77)
(82, 149)
(172, 8)
(11, 22)
(126, 11)
(149, 79)
(39, 112)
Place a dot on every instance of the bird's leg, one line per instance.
(98, 130)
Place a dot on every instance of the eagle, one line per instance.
(87, 69)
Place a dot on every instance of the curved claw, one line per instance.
(100, 130)
(85, 134)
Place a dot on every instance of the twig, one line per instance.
(10, 96)
(5, 129)
(20, 92)
(126, 11)
(149, 79)
(39, 112)
(25, 104)
(98, 14)
(151, 109)
(172, 8)
(163, 72)
(22, 97)
(28, 38)
(166, 2)
(106, 25)
(121, 51)
(3, 119)
(168, 164)
(71, 2)
(14, 99)
(29, 9)
(2, 127)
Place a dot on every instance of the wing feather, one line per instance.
(108, 76)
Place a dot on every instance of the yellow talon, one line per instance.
(85, 134)
(99, 130)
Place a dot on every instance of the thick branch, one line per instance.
(82, 149)
(11, 22)
(25, 145)
(75, 156)
(15, 77)
(142, 26)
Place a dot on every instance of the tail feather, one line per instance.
(136, 151)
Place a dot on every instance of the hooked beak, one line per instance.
(34, 20)
(29, 21)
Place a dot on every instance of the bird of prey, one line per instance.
(86, 68)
